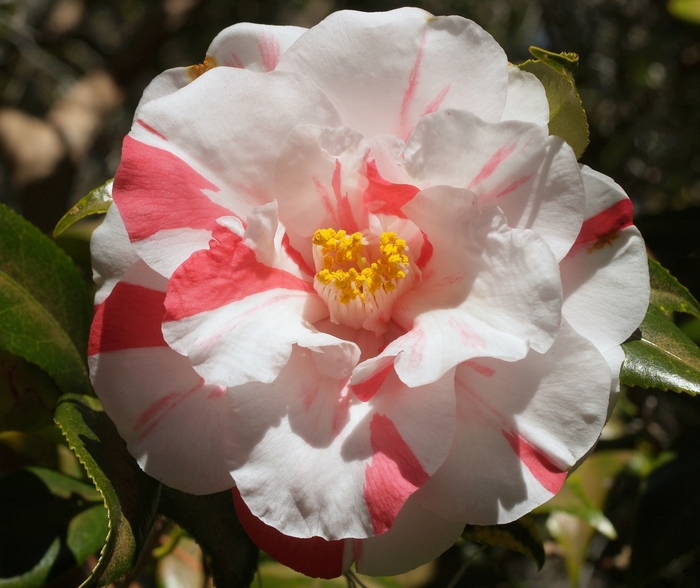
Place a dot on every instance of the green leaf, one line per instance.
(567, 117)
(685, 9)
(662, 357)
(27, 395)
(46, 309)
(97, 201)
(38, 507)
(668, 294)
(36, 577)
(130, 495)
(212, 522)
(521, 536)
(667, 518)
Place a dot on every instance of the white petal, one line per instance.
(527, 100)
(384, 71)
(520, 426)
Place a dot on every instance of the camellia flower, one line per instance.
(350, 276)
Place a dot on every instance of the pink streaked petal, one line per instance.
(227, 272)
(313, 461)
(253, 46)
(457, 148)
(487, 290)
(155, 190)
(424, 70)
(238, 154)
(320, 180)
(392, 475)
(153, 395)
(313, 557)
(383, 197)
(609, 270)
(521, 425)
(417, 537)
(129, 318)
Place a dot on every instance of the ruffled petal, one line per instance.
(387, 91)
(520, 426)
(312, 461)
(237, 318)
(253, 46)
(605, 275)
(487, 290)
(526, 100)
(171, 80)
(533, 178)
(152, 393)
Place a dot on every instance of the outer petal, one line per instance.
(526, 100)
(171, 80)
(533, 178)
(312, 461)
(236, 317)
(418, 536)
(152, 393)
(487, 290)
(253, 46)
(520, 426)
(387, 91)
(605, 275)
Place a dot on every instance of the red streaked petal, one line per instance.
(602, 229)
(384, 197)
(129, 318)
(314, 557)
(540, 466)
(156, 190)
(226, 272)
(392, 475)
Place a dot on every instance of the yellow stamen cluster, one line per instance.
(347, 269)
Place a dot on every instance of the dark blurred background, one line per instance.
(72, 72)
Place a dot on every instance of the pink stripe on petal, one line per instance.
(392, 475)
(347, 221)
(491, 165)
(296, 257)
(314, 557)
(367, 389)
(157, 411)
(150, 129)
(602, 229)
(226, 272)
(514, 186)
(130, 318)
(480, 369)
(437, 101)
(410, 92)
(383, 197)
(426, 252)
(270, 51)
(155, 190)
(540, 466)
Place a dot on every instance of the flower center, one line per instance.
(360, 280)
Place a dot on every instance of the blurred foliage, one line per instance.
(71, 74)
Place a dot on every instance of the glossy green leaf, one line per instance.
(521, 536)
(39, 507)
(36, 577)
(667, 518)
(212, 522)
(661, 357)
(685, 9)
(567, 117)
(668, 294)
(97, 201)
(27, 395)
(46, 307)
(130, 495)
